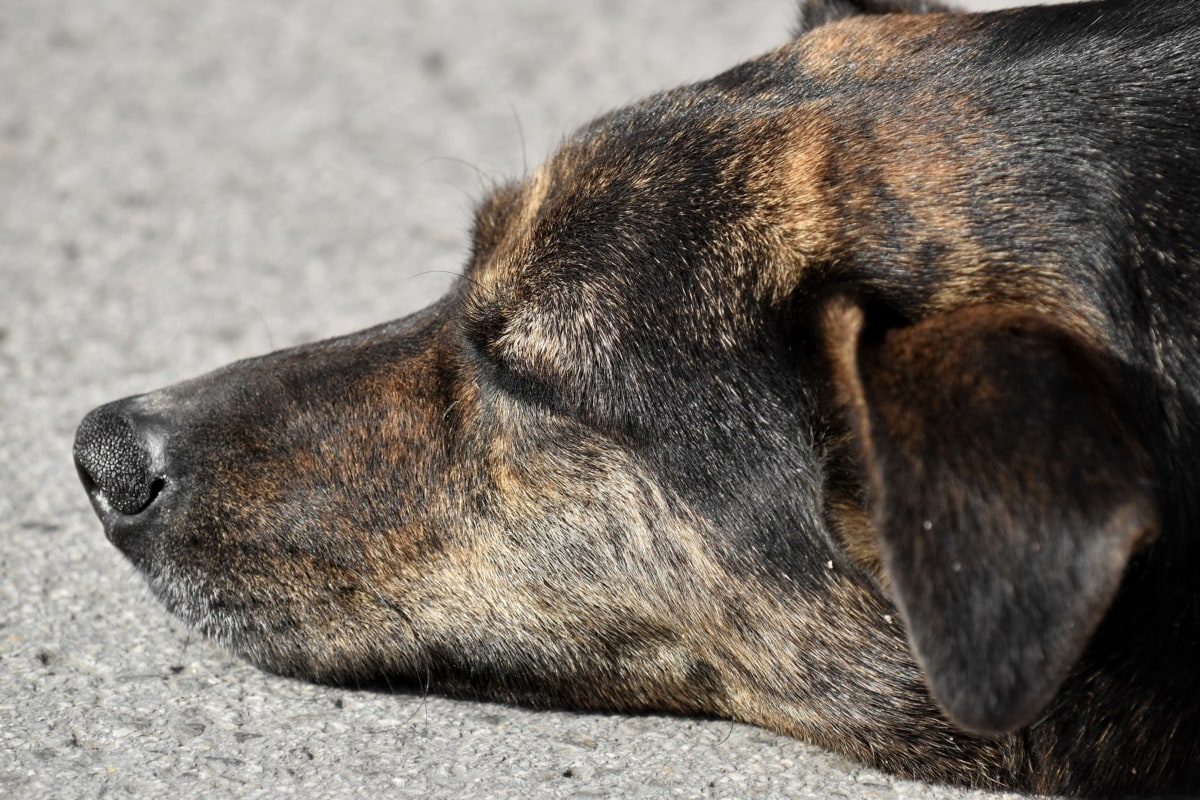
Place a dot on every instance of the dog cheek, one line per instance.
(568, 590)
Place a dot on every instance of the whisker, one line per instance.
(521, 136)
(483, 176)
(445, 272)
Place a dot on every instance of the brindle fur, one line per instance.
(861, 375)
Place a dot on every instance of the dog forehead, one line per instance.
(656, 177)
(657, 190)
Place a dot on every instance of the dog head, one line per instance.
(793, 396)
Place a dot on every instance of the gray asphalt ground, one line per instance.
(187, 183)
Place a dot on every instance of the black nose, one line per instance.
(117, 459)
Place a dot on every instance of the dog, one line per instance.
(853, 393)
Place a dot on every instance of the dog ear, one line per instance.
(1007, 492)
(814, 13)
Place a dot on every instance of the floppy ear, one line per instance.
(1007, 492)
(814, 13)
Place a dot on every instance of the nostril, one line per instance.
(156, 487)
(114, 461)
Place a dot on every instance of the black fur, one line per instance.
(854, 392)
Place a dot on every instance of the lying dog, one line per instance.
(852, 393)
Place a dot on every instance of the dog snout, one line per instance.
(119, 457)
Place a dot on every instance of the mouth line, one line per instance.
(134, 533)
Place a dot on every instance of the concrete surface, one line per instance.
(184, 184)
